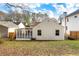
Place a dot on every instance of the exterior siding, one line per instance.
(3, 31)
(72, 24)
(48, 31)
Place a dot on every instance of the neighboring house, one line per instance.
(7, 27)
(3, 31)
(48, 29)
(71, 24)
(2, 15)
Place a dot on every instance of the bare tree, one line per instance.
(15, 16)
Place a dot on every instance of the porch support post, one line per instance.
(24, 33)
(16, 32)
(19, 33)
(27, 33)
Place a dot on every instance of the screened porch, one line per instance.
(24, 34)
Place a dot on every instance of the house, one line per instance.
(42, 29)
(48, 29)
(2, 15)
(71, 24)
(7, 27)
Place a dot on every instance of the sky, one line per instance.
(54, 10)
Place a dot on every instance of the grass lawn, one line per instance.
(40, 48)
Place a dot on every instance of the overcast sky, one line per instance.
(53, 9)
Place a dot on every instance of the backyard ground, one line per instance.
(39, 48)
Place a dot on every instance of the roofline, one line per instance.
(4, 26)
(73, 13)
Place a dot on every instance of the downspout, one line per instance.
(65, 27)
(65, 16)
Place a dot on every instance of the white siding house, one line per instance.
(71, 24)
(48, 29)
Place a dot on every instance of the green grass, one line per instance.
(38, 48)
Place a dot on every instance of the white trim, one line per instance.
(23, 39)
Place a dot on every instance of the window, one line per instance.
(67, 20)
(39, 32)
(57, 33)
(75, 16)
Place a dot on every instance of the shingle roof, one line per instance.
(73, 13)
(8, 24)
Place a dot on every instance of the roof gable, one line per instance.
(49, 21)
(21, 25)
